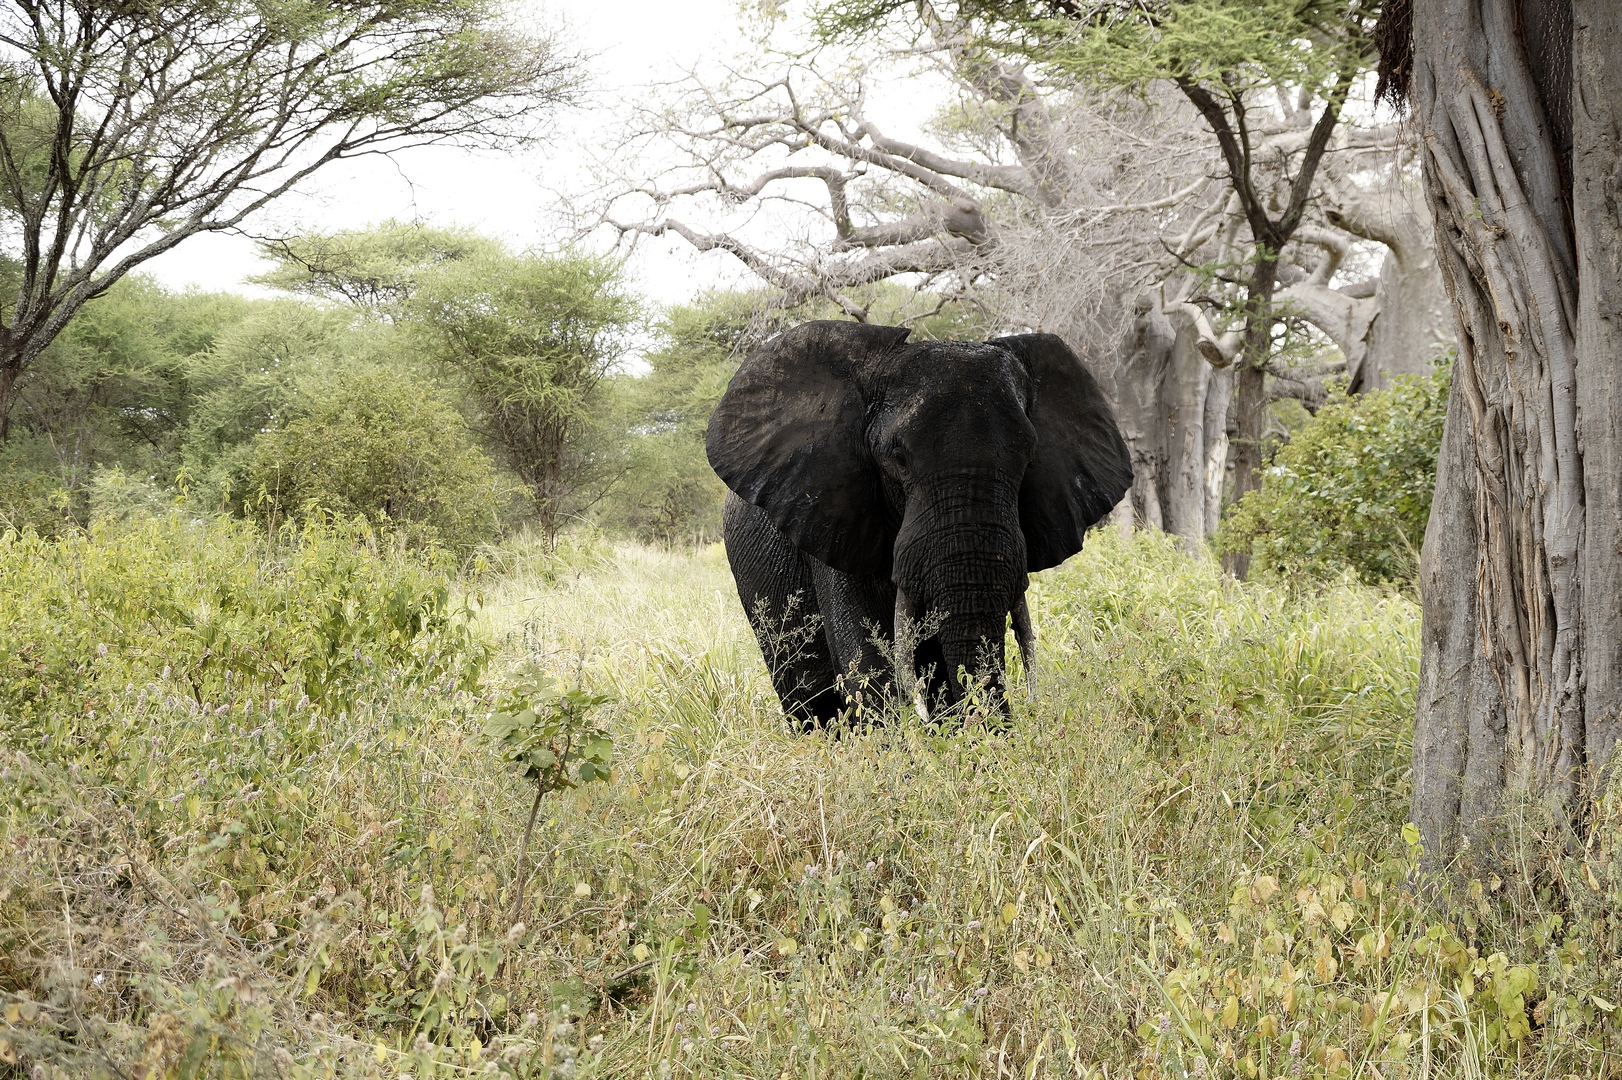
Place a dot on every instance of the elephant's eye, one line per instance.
(898, 454)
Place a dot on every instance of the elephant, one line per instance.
(881, 490)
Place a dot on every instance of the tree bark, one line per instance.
(1597, 213)
(1519, 682)
(8, 381)
(1218, 414)
(1167, 396)
(1250, 393)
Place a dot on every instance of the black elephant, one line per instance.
(875, 481)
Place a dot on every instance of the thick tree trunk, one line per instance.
(1218, 415)
(1519, 678)
(1250, 394)
(1165, 394)
(1597, 211)
(8, 382)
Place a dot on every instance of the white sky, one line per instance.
(512, 196)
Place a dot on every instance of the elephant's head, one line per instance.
(951, 468)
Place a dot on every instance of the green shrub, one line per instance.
(216, 608)
(31, 496)
(384, 447)
(1187, 857)
(1351, 491)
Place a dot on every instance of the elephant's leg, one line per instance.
(857, 614)
(780, 599)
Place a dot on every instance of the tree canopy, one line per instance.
(126, 128)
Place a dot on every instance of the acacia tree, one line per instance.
(1519, 107)
(530, 337)
(375, 269)
(127, 127)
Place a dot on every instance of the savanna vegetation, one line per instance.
(259, 822)
(375, 700)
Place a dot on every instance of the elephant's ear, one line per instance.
(1081, 467)
(790, 436)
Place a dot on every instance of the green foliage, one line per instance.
(265, 364)
(222, 108)
(532, 337)
(385, 447)
(1350, 491)
(218, 608)
(1187, 857)
(549, 735)
(1231, 46)
(108, 392)
(168, 388)
(376, 268)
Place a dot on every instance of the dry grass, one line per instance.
(1184, 859)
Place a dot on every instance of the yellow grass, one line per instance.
(1184, 859)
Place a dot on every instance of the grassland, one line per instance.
(1185, 858)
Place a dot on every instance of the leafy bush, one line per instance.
(32, 495)
(1351, 491)
(1185, 858)
(385, 447)
(218, 608)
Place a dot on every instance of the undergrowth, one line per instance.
(1186, 858)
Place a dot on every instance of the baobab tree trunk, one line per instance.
(1520, 677)
(1172, 406)
(1597, 220)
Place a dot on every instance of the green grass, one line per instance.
(1185, 858)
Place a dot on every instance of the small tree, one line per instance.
(126, 128)
(533, 337)
(550, 737)
(376, 269)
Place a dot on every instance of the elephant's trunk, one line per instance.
(974, 647)
(906, 644)
(960, 555)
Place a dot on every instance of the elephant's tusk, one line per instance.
(1027, 644)
(905, 642)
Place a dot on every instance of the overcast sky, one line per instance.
(634, 42)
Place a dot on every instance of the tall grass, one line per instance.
(1185, 858)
